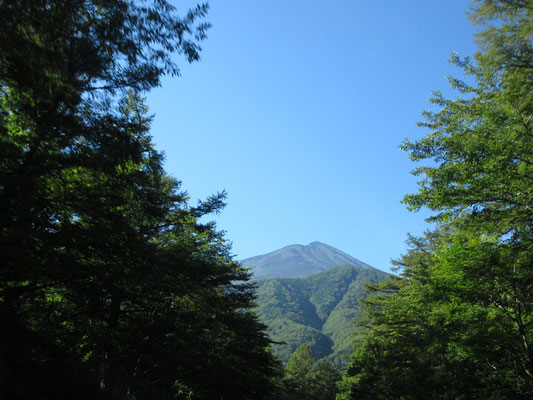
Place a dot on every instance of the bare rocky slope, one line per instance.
(296, 261)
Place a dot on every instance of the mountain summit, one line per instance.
(297, 261)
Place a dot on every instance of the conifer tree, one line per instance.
(111, 285)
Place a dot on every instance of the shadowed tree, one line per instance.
(112, 286)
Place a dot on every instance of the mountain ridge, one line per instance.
(318, 310)
(296, 261)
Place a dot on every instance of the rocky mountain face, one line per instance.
(296, 261)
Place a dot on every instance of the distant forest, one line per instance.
(317, 310)
(113, 286)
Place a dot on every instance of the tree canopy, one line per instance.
(112, 285)
(305, 378)
(458, 323)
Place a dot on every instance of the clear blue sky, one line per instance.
(297, 109)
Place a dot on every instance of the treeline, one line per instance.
(113, 287)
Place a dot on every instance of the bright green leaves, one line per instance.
(459, 323)
(452, 327)
(481, 144)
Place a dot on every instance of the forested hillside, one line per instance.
(318, 310)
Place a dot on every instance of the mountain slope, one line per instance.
(317, 309)
(297, 261)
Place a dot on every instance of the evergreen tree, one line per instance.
(301, 363)
(307, 379)
(325, 380)
(110, 285)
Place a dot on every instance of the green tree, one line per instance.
(459, 322)
(483, 147)
(307, 379)
(325, 380)
(421, 340)
(110, 281)
(301, 363)
(482, 142)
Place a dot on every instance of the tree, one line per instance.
(307, 379)
(301, 362)
(109, 279)
(423, 339)
(482, 142)
(325, 380)
(459, 322)
(483, 146)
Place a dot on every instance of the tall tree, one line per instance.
(482, 142)
(460, 322)
(307, 379)
(483, 146)
(110, 285)
(301, 362)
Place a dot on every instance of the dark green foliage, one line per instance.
(458, 324)
(326, 380)
(307, 379)
(317, 310)
(111, 286)
(301, 362)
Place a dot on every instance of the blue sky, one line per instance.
(297, 109)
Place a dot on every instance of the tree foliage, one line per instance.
(111, 286)
(481, 142)
(458, 323)
(432, 333)
(305, 378)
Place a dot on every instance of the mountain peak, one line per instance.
(317, 244)
(296, 260)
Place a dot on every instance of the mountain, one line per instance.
(318, 310)
(297, 261)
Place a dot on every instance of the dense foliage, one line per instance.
(316, 310)
(458, 323)
(306, 379)
(111, 286)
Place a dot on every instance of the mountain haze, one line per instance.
(296, 261)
